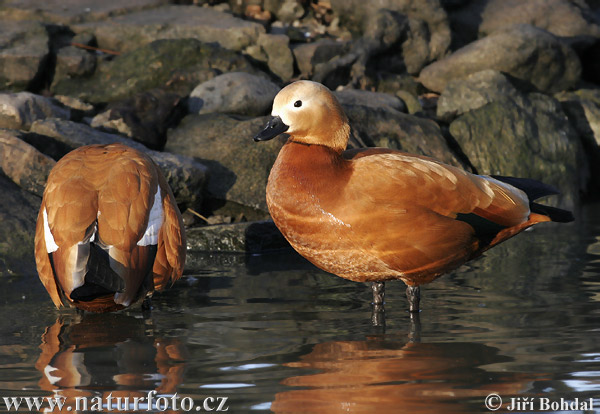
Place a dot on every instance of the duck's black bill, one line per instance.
(273, 128)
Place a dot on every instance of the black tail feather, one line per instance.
(534, 190)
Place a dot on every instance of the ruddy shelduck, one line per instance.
(377, 214)
(109, 232)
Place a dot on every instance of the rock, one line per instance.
(186, 176)
(472, 92)
(583, 109)
(73, 61)
(308, 55)
(20, 110)
(18, 214)
(286, 11)
(173, 65)
(529, 137)
(522, 51)
(570, 20)
(386, 127)
(129, 32)
(370, 99)
(22, 163)
(250, 237)
(279, 56)
(24, 53)
(71, 11)
(238, 167)
(144, 117)
(234, 93)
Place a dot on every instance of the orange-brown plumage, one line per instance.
(376, 214)
(108, 218)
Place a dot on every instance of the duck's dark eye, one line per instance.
(298, 104)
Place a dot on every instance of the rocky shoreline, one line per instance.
(494, 86)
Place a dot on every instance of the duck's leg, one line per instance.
(413, 294)
(378, 314)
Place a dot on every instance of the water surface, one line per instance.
(273, 333)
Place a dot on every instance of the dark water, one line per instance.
(272, 333)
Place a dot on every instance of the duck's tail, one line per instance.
(534, 190)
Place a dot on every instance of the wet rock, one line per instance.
(279, 56)
(583, 109)
(186, 176)
(472, 92)
(22, 163)
(173, 65)
(250, 237)
(386, 127)
(308, 55)
(144, 118)
(529, 137)
(522, 51)
(130, 31)
(71, 11)
(23, 55)
(20, 110)
(234, 93)
(370, 99)
(18, 214)
(572, 21)
(238, 167)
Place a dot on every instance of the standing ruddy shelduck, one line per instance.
(378, 214)
(108, 232)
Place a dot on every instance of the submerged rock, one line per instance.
(234, 93)
(529, 137)
(522, 51)
(175, 65)
(24, 52)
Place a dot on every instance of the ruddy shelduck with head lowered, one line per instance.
(108, 232)
(377, 214)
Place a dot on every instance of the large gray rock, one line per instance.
(239, 168)
(128, 32)
(370, 99)
(18, 214)
(308, 55)
(20, 110)
(22, 163)
(185, 175)
(522, 51)
(24, 52)
(175, 65)
(73, 61)
(71, 11)
(529, 137)
(472, 92)
(234, 93)
(280, 59)
(385, 127)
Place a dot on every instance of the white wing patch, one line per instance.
(155, 220)
(51, 245)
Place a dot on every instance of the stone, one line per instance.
(472, 92)
(385, 127)
(18, 214)
(175, 65)
(73, 61)
(529, 137)
(370, 99)
(308, 55)
(234, 93)
(239, 168)
(185, 175)
(67, 12)
(24, 53)
(248, 237)
(144, 117)
(22, 163)
(522, 51)
(20, 110)
(129, 32)
(279, 56)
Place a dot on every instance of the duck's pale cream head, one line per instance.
(310, 114)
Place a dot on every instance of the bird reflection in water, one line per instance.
(97, 355)
(384, 375)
